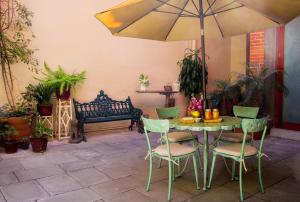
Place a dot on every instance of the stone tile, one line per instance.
(276, 195)
(60, 157)
(81, 195)
(35, 161)
(89, 176)
(110, 188)
(24, 191)
(116, 171)
(85, 154)
(81, 164)
(39, 172)
(158, 191)
(132, 196)
(10, 165)
(59, 184)
(215, 195)
(7, 178)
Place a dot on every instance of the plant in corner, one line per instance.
(61, 81)
(39, 139)
(7, 133)
(41, 94)
(144, 81)
(190, 76)
(225, 96)
(15, 37)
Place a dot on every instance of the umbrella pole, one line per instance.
(201, 17)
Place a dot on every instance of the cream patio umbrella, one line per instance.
(174, 20)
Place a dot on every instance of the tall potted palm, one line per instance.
(190, 77)
(61, 81)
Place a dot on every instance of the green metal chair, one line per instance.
(177, 136)
(241, 151)
(235, 137)
(172, 152)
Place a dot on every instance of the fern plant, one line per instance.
(59, 79)
(190, 77)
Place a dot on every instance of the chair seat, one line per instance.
(175, 149)
(235, 149)
(180, 136)
(233, 137)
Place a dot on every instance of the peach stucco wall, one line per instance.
(68, 34)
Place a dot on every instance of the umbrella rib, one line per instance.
(177, 7)
(219, 26)
(195, 6)
(222, 11)
(210, 6)
(140, 17)
(176, 20)
(224, 6)
(181, 15)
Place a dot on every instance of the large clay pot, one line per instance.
(64, 96)
(38, 144)
(11, 147)
(22, 126)
(45, 109)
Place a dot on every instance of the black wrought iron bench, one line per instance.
(104, 109)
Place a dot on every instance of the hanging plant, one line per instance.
(15, 21)
(190, 77)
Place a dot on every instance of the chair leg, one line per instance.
(170, 180)
(199, 159)
(233, 170)
(150, 174)
(241, 181)
(173, 171)
(260, 176)
(212, 169)
(196, 170)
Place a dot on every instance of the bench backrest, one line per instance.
(102, 106)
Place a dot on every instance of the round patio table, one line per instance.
(228, 123)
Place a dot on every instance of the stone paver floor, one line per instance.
(112, 168)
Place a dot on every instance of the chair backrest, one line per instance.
(167, 113)
(157, 126)
(245, 112)
(253, 126)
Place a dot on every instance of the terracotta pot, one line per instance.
(39, 144)
(21, 125)
(11, 147)
(45, 109)
(64, 96)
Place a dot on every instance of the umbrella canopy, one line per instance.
(174, 20)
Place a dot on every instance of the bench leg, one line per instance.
(131, 125)
(80, 127)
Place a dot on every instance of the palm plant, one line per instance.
(190, 77)
(59, 79)
(225, 95)
(253, 86)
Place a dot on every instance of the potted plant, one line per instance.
(19, 117)
(41, 94)
(253, 86)
(225, 96)
(24, 143)
(190, 76)
(144, 82)
(10, 144)
(61, 81)
(195, 107)
(39, 139)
